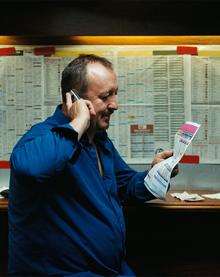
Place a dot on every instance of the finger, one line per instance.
(156, 160)
(165, 154)
(90, 107)
(174, 172)
(161, 156)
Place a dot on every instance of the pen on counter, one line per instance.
(75, 94)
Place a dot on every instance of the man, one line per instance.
(68, 181)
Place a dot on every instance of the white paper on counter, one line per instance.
(212, 195)
(185, 196)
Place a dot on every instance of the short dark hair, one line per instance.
(74, 76)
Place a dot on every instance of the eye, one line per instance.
(105, 97)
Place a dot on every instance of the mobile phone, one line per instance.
(74, 95)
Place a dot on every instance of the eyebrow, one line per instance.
(109, 91)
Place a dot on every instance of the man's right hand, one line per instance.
(79, 113)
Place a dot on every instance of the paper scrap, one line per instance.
(212, 195)
(3, 188)
(185, 196)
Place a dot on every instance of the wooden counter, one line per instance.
(164, 238)
(174, 238)
(176, 204)
(3, 205)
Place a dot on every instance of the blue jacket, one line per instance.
(64, 217)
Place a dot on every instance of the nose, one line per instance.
(113, 103)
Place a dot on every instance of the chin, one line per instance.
(103, 127)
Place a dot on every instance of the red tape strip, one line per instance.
(44, 51)
(190, 159)
(7, 51)
(4, 164)
(190, 50)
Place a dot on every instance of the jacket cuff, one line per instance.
(66, 130)
(141, 191)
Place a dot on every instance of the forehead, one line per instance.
(100, 76)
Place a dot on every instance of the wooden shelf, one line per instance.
(110, 40)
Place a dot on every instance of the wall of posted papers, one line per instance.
(157, 93)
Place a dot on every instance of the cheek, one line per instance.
(99, 108)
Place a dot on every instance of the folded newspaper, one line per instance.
(158, 178)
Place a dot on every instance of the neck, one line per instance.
(64, 109)
(91, 134)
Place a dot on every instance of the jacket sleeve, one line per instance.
(44, 155)
(131, 186)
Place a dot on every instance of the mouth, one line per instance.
(106, 114)
(106, 117)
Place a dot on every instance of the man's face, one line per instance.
(102, 92)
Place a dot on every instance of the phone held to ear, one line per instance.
(74, 95)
